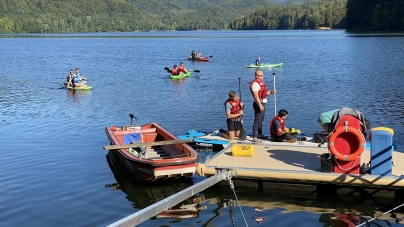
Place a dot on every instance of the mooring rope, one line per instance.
(367, 221)
(232, 187)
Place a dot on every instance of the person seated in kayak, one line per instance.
(258, 61)
(69, 78)
(175, 71)
(79, 75)
(75, 80)
(234, 110)
(199, 55)
(182, 68)
(193, 55)
(278, 130)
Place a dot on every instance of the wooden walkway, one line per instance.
(296, 163)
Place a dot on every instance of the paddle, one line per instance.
(169, 70)
(274, 95)
(242, 135)
(211, 56)
(157, 143)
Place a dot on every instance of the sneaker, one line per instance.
(215, 133)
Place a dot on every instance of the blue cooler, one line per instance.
(381, 151)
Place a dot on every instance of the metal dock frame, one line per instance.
(153, 210)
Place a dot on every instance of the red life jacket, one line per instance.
(174, 71)
(274, 131)
(263, 92)
(181, 68)
(236, 107)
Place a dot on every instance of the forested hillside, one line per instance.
(63, 16)
(311, 15)
(375, 15)
(70, 16)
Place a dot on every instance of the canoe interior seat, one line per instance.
(148, 137)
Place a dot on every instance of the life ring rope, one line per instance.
(340, 167)
(347, 129)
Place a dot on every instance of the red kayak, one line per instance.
(199, 59)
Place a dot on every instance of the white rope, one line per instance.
(340, 167)
(232, 187)
(367, 222)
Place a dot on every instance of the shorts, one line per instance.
(283, 138)
(233, 125)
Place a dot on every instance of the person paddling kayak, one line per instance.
(257, 61)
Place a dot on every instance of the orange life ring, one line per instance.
(347, 129)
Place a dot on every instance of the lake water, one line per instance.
(54, 169)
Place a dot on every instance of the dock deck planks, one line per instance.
(297, 164)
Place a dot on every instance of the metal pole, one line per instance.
(171, 201)
(274, 95)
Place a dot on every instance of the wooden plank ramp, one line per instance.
(297, 164)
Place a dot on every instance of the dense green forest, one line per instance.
(310, 15)
(375, 15)
(66, 16)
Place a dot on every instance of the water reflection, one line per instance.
(144, 194)
(77, 94)
(278, 203)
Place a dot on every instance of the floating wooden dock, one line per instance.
(282, 162)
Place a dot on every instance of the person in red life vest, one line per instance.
(260, 93)
(175, 71)
(234, 110)
(278, 130)
(182, 68)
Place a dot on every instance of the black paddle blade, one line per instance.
(211, 56)
(197, 71)
(166, 68)
(242, 135)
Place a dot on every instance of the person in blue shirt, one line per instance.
(257, 61)
(79, 74)
(75, 80)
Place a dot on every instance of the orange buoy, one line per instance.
(345, 133)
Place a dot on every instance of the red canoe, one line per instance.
(199, 59)
(163, 155)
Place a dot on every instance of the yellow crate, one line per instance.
(242, 150)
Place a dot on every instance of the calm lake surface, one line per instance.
(54, 170)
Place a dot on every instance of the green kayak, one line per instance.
(266, 65)
(85, 87)
(182, 75)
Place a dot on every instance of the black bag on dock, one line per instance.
(326, 163)
(321, 137)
